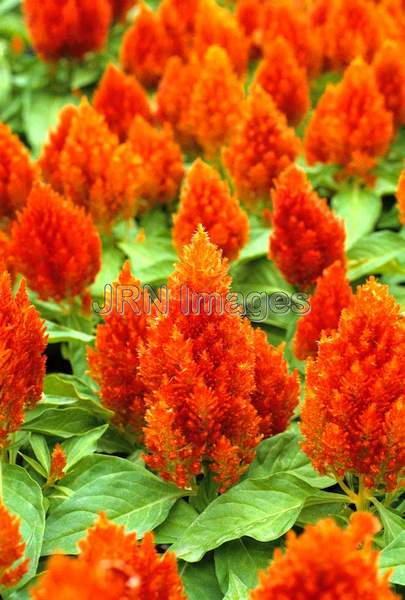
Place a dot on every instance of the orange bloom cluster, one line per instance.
(67, 27)
(112, 565)
(159, 165)
(332, 294)
(120, 8)
(120, 98)
(216, 102)
(6, 260)
(350, 126)
(277, 392)
(206, 199)
(12, 549)
(261, 147)
(249, 15)
(389, 69)
(179, 18)
(306, 237)
(354, 407)
(58, 464)
(327, 562)
(280, 76)
(114, 362)
(401, 197)
(22, 344)
(55, 245)
(16, 173)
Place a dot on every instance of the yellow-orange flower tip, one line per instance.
(12, 548)
(326, 561)
(55, 245)
(401, 196)
(22, 346)
(353, 412)
(120, 97)
(58, 463)
(389, 69)
(206, 199)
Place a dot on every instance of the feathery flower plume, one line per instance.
(114, 362)
(206, 199)
(70, 28)
(389, 69)
(120, 98)
(332, 294)
(350, 126)
(280, 76)
(261, 147)
(307, 237)
(327, 562)
(216, 102)
(401, 197)
(199, 368)
(249, 15)
(112, 565)
(178, 18)
(354, 410)
(160, 162)
(16, 173)
(58, 464)
(55, 245)
(120, 8)
(277, 392)
(146, 47)
(22, 344)
(12, 550)
(6, 260)
(216, 26)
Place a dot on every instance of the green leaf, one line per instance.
(374, 251)
(77, 448)
(200, 581)
(263, 509)
(282, 454)
(59, 333)
(393, 557)
(237, 589)
(360, 209)
(8, 5)
(131, 496)
(63, 422)
(245, 557)
(180, 517)
(111, 265)
(392, 522)
(5, 80)
(23, 497)
(35, 465)
(258, 244)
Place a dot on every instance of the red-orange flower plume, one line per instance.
(58, 464)
(327, 562)
(354, 408)
(67, 27)
(12, 548)
(277, 392)
(120, 98)
(114, 362)
(146, 47)
(350, 126)
(250, 15)
(216, 102)
(6, 260)
(112, 565)
(22, 369)
(261, 147)
(16, 173)
(389, 69)
(120, 8)
(280, 76)
(206, 199)
(401, 197)
(179, 18)
(199, 368)
(56, 246)
(332, 294)
(307, 237)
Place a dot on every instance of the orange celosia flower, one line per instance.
(307, 237)
(216, 102)
(178, 18)
(160, 162)
(392, 16)
(261, 147)
(22, 344)
(67, 27)
(58, 464)
(389, 69)
(12, 550)
(112, 565)
(199, 368)
(56, 245)
(401, 197)
(6, 260)
(206, 199)
(216, 26)
(114, 362)
(332, 294)
(327, 562)
(277, 392)
(146, 47)
(120, 98)
(350, 126)
(250, 15)
(280, 76)
(16, 173)
(354, 407)
(120, 8)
